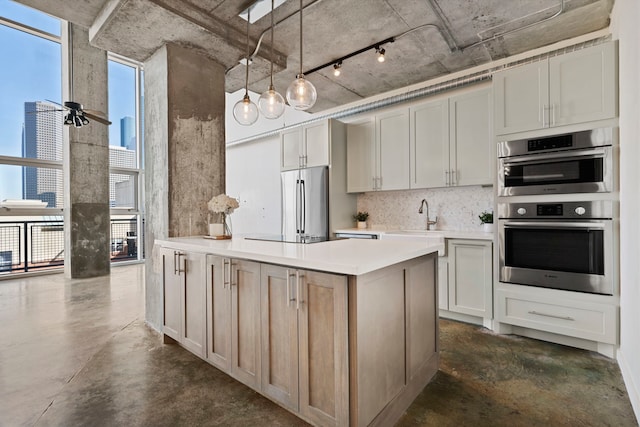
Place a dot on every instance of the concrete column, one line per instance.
(184, 153)
(86, 159)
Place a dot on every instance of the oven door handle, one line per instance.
(583, 154)
(571, 225)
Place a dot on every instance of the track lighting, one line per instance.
(380, 51)
(336, 68)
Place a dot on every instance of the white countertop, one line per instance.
(447, 234)
(349, 256)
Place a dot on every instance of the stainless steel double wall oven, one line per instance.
(556, 242)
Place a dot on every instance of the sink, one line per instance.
(430, 237)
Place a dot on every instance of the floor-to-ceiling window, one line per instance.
(32, 140)
(125, 158)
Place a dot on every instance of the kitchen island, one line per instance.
(340, 333)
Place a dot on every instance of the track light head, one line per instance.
(337, 68)
(380, 51)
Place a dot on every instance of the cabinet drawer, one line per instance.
(586, 320)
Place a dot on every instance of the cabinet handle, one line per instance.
(553, 114)
(176, 264)
(446, 177)
(298, 290)
(289, 299)
(380, 183)
(552, 316)
(231, 275)
(544, 113)
(454, 177)
(375, 180)
(226, 272)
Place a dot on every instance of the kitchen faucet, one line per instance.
(429, 222)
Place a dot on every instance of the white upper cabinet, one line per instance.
(577, 87)
(361, 156)
(451, 141)
(305, 147)
(471, 156)
(392, 150)
(378, 153)
(429, 142)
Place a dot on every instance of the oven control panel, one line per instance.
(597, 209)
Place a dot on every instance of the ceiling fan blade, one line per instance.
(98, 116)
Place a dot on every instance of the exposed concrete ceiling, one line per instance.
(432, 37)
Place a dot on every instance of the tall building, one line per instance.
(42, 139)
(128, 133)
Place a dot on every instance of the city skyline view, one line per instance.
(35, 77)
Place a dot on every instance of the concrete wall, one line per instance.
(86, 174)
(184, 153)
(625, 27)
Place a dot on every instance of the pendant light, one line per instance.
(271, 103)
(301, 94)
(246, 112)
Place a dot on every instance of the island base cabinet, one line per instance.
(304, 340)
(233, 319)
(393, 339)
(184, 299)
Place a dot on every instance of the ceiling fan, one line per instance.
(79, 116)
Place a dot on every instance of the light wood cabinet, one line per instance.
(577, 87)
(470, 286)
(184, 299)
(378, 153)
(304, 339)
(306, 146)
(451, 141)
(233, 305)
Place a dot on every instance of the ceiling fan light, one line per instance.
(301, 93)
(245, 111)
(77, 122)
(271, 104)
(85, 121)
(68, 119)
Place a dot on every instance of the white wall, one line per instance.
(624, 26)
(253, 177)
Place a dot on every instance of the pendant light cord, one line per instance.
(272, 5)
(300, 37)
(246, 75)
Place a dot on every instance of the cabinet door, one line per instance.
(290, 149)
(470, 139)
(443, 283)
(315, 140)
(245, 322)
(429, 136)
(279, 335)
(360, 157)
(194, 308)
(470, 277)
(582, 85)
(172, 294)
(324, 364)
(392, 140)
(219, 312)
(520, 98)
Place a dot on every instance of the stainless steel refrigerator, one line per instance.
(305, 205)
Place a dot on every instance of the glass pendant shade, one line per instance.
(245, 112)
(301, 94)
(271, 104)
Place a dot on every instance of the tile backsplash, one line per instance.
(457, 208)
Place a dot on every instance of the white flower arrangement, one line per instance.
(223, 204)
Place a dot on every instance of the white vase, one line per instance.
(362, 224)
(487, 227)
(216, 229)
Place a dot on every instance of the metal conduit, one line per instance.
(423, 92)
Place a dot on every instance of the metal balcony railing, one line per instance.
(36, 245)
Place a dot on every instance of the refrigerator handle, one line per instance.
(297, 206)
(303, 216)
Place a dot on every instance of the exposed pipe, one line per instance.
(445, 23)
(495, 36)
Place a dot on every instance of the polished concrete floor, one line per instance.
(77, 353)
